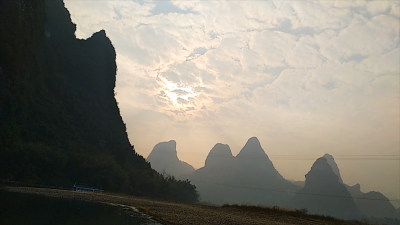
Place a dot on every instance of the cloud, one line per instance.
(322, 74)
(166, 7)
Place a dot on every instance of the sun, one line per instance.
(180, 98)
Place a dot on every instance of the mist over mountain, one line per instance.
(164, 159)
(251, 178)
(248, 178)
(212, 179)
(324, 193)
(373, 203)
(59, 120)
(298, 183)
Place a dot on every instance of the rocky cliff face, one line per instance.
(59, 120)
(164, 159)
(324, 193)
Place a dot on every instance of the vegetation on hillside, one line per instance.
(59, 120)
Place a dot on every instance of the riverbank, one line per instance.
(180, 213)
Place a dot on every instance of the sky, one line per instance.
(305, 77)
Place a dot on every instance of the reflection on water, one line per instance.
(24, 209)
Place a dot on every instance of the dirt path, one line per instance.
(180, 213)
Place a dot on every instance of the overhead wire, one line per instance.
(294, 192)
(361, 157)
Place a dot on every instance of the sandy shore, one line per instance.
(180, 213)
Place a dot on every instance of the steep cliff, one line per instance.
(59, 120)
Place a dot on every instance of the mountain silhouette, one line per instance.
(220, 156)
(164, 159)
(335, 168)
(248, 178)
(252, 149)
(372, 204)
(324, 193)
(59, 120)
(255, 160)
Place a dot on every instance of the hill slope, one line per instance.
(59, 120)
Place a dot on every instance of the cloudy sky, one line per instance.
(305, 77)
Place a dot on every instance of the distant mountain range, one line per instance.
(251, 178)
(248, 178)
(372, 203)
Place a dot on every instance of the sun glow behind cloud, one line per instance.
(181, 99)
(306, 77)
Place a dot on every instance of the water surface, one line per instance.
(28, 209)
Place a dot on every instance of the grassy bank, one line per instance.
(179, 213)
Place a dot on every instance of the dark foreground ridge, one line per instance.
(59, 120)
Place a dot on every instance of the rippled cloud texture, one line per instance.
(305, 77)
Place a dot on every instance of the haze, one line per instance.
(305, 77)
